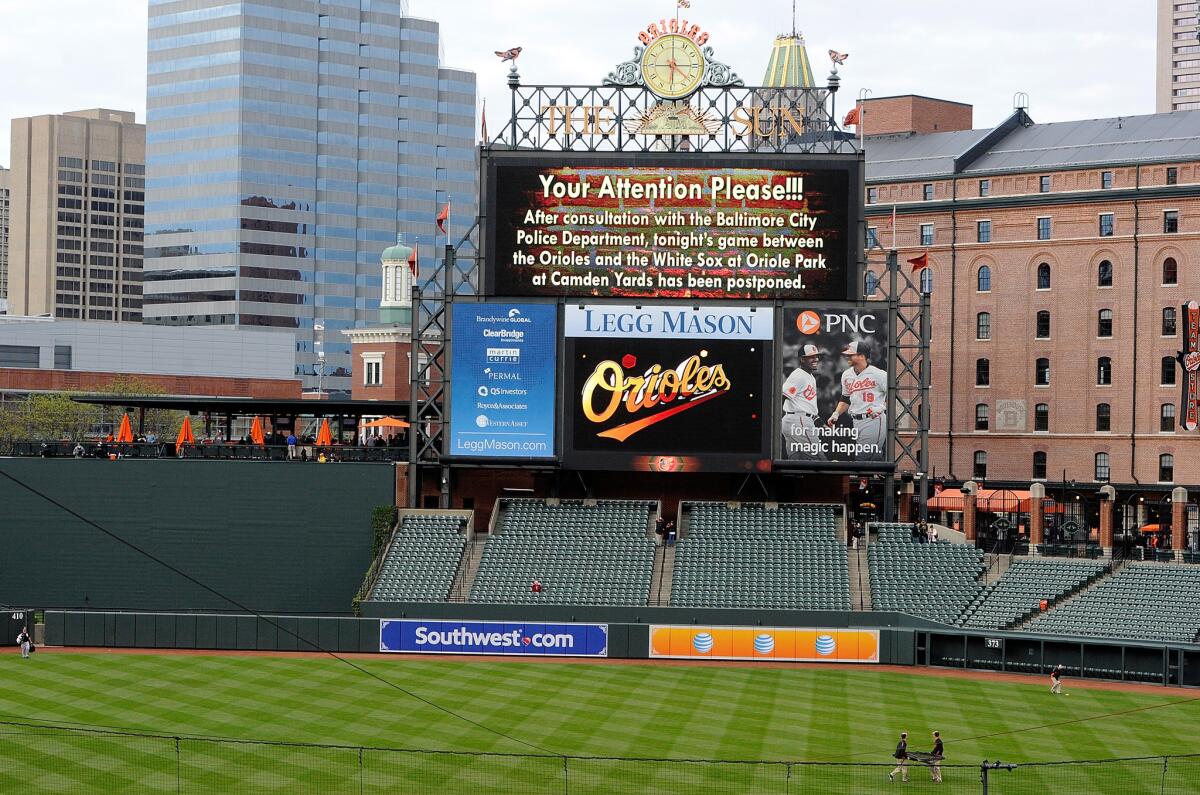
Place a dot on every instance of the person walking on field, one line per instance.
(25, 642)
(936, 755)
(901, 757)
(1056, 681)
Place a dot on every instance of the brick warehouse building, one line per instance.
(1059, 257)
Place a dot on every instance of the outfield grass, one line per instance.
(669, 712)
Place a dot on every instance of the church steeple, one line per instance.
(789, 66)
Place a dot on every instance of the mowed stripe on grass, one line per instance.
(693, 712)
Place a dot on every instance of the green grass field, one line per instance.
(643, 711)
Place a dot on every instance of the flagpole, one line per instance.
(893, 226)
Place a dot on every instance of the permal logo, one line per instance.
(808, 322)
(669, 390)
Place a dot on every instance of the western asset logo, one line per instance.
(492, 637)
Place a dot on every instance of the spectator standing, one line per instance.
(291, 445)
(933, 534)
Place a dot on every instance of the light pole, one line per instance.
(319, 346)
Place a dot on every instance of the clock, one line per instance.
(672, 66)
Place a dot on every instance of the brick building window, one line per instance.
(1167, 373)
(983, 280)
(979, 470)
(1106, 180)
(1170, 271)
(1104, 274)
(983, 326)
(1166, 418)
(1103, 418)
(1102, 467)
(983, 231)
(1166, 468)
(1041, 372)
(1043, 228)
(1104, 371)
(1106, 224)
(1039, 466)
(1043, 325)
(983, 372)
(872, 195)
(985, 187)
(1168, 322)
(981, 417)
(926, 234)
(1104, 323)
(1043, 276)
(1170, 222)
(870, 284)
(373, 371)
(927, 281)
(1041, 417)
(872, 238)
(1172, 175)
(1044, 185)
(927, 192)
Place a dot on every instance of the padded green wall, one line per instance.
(277, 537)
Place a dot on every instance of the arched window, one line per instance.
(1041, 372)
(981, 417)
(1039, 466)
(979, 472)
(1104, 371)
(1104, 275)
(1166, 418)
(983, 372)
(1103, 417)
(1166, 468)
(1168, 323)
(1043, 276)
(926, 281)
(1167, 376)
(1102, 467)
(870, 284)
(1043, 325)
(983, 326)
(1104, 323)
(1041, 417)
(983, 281)
(1170, 271)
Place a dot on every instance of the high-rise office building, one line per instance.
(5, 174)
(289, 141)
(1178, 56)
(76, 204)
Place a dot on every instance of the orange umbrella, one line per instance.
(386, 422)
(125, 435)
(185, 435)
(324, 436)
(256, 431)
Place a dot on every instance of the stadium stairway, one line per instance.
(662, 576)
(468, 567)
(1012, 598)
(860, 579)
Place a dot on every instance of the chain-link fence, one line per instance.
(72, 760)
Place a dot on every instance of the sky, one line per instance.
(1076, 59)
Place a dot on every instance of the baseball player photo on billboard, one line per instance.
(833, 387)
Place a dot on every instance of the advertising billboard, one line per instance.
(622, 225)
(413, 636)
(667, 388)
(502, 380)
(764, 643)
(833, 386)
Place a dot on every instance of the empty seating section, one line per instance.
(422, 559)
(1143, 601)
(786, 557)
(582, 554)
(1017, 593)
(935, 581)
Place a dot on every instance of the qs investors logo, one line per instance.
(808, 322)
(664, 391)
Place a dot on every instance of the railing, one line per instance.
(224, 451)
(93, 760)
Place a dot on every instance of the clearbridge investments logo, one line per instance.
(413, 636)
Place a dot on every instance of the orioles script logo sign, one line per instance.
(658, 394)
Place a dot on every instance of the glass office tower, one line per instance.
(288, 142)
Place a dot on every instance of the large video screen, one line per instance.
(833, 387)
(732, 226)
(667, 388)
(502, 380)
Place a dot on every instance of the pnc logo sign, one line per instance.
(808, 322)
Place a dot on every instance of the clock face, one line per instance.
(673, 66)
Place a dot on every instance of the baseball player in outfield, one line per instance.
(800, 409)
(864, 394)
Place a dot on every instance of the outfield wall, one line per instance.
(276, 537)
